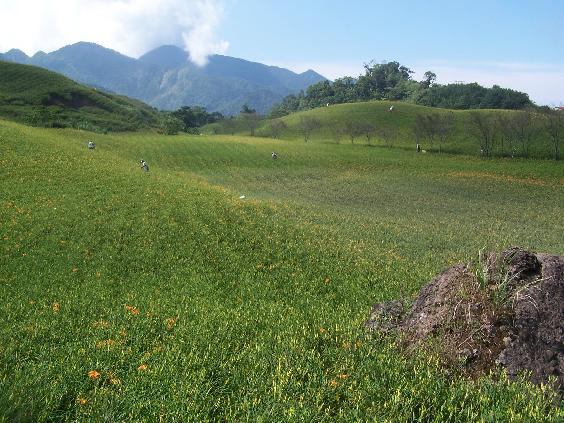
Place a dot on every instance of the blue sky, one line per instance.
(513, 43)
(510, 30)
(517, 44)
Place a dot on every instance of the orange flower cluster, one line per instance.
(93, 374)
(142, 367)
(170, 322)
(132, 310)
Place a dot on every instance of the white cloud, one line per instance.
(132, 27)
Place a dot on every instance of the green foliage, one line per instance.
(43, 98)
(473, 96)
(170, 124)
(195, 117)
(193, 305)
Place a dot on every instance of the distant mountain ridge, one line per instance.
(165, 78)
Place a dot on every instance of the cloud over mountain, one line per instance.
(129, 26)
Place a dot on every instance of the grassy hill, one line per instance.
(39, 97)
(131, 296)
(335, 117)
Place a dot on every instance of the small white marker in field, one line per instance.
(242, 197)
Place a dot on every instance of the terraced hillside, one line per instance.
(39, 97)
(132, 296)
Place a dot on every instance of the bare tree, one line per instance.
(352, 129)
(229, 125)
(388, 135)
(251, 121)
(307, 126)
(445, 127)
(367, 130)
(506, 133)
(276, 127)
(417, 132)
(554, 125)
(432, 127)
(337, 133)
(426, 127)
(524, 126)
(485, 130)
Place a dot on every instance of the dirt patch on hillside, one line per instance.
(507, 310)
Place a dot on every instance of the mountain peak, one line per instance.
(15, 55)
(167, 56)
(87, 47)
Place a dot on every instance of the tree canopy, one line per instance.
(393, 81)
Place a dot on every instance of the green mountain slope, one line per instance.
(40, 97)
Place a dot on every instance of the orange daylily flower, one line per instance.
(142, 367)
(93, 374)
(132, 309)
(170, 322)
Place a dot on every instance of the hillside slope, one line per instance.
(335, 120)
(43, 98)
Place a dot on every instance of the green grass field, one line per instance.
(163, 296)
